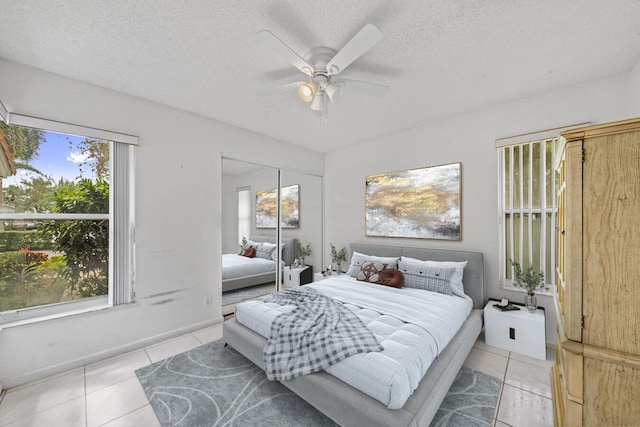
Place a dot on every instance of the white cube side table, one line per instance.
(518, 331)
(294, 277)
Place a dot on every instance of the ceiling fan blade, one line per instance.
(364, 88)
(286, 73)
(273, 90)
(366, 38)
(277, 45)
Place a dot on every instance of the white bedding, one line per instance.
(234, 265)
(412, 325)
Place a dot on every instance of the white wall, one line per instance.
(469, 139)
(311, 212)
(178, 180)
(635, 90)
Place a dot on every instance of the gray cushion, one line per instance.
(420, 276)
(265, 250)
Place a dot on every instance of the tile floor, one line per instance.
(108, 393)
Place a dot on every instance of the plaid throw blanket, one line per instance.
(318, 333)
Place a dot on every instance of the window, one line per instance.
(244, 213)
(66, 219)
(527, 208)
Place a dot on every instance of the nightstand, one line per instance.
(294, 277)
(518, 331)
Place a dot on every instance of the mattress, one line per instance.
(414, 326)
(234, 265)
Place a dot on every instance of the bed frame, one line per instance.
(288, 255)
(349, 407)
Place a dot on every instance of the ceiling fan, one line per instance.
(322, 66)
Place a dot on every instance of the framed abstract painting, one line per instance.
(267, 207)
(416, 203)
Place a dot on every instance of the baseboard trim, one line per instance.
(51, 371)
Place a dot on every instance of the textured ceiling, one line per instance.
(440, 57)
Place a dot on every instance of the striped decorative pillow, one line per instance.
(420, 276)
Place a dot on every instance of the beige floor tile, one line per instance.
(524, 409)
(140, 417)
(206, 335)
(551, 358)
(115, 398)
(68, 414)
(28, 400)
(487, 362)
(480, 344)
(115, 369)
(170, 348)
(528, 377)
(114, 401)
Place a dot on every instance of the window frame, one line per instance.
(244, 207)
(121, 218)
(526, 208)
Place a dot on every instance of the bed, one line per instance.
(349, 406)
(242, 272)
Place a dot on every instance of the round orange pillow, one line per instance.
(391, 277)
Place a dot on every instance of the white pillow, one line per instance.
(456, 278)
(265, 250)
(357, 259)
(251, 243)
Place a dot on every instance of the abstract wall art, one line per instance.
(416, 203)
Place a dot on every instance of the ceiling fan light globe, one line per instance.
(333, 91)
(318, 102)
(306, 91)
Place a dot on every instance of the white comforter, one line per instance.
(412, 325)
(234, 265)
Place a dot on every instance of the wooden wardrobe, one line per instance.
(596, 378)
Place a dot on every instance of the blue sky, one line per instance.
(56, 158)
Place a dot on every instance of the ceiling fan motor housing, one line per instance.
(318, 58)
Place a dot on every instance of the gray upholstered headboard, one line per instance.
(289, 248)
(473, 278)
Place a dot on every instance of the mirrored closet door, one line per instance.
(281, 226)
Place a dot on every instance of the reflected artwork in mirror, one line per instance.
(267, 207)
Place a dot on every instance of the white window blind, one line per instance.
(122, 242)
(244, 213)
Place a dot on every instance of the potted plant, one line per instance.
(243, 243)
(530, 280)
(303, 252)
(338, 257)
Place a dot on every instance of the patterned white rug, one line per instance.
(214, 385)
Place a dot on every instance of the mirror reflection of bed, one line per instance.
(251, 272)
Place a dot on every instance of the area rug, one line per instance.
(471, 401)
(235, 296)
(213, 385)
